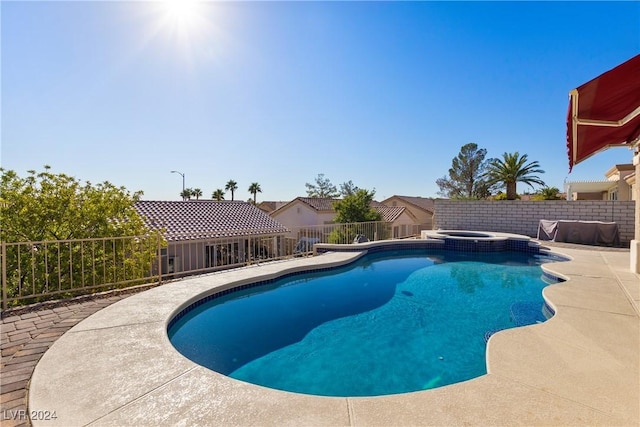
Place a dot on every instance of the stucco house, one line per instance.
(315, 211)
(618, 185)
(305, 212)
(631, 182)
(403, 222)
(270, 206)
(205, 235)
(422, 208)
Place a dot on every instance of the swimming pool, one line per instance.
(391, 322)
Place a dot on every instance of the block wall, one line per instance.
(522, 217)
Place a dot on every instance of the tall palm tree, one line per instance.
(218, 194)
(511, 169)
(197, 193)
(254, 188)
(231, 186)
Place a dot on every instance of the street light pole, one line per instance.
(183, 198)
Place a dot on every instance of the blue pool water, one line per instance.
(392, 322)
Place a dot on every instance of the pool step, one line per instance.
(525, 313)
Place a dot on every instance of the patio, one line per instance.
(118, 368)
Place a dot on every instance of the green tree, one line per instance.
(218, 194)
(231, 186)
(510, 170)
(197, 193)
(48, 206)
(547, 193)
(322, 188)
(186, 194)
(465, 175)
(348, 188)
(53, 212)
(254, 189)
(356, 208)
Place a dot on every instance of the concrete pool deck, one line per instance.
(582, 367)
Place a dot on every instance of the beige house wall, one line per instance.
(624, 191)
(622, 188)
(631, 181)
(421, 215)
(299, 215)
(404, 219)
(522, 217)
(403, 225)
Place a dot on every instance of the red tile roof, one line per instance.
(270, 206)
(389, 213)
(193, 219)
(424, 203)
(323, 203)
(316, 203)
(319, 203)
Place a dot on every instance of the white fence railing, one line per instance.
(38, 271)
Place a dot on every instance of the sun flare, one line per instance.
(182, 27)
(182, 13)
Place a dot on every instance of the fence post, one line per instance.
(159, 258)
(3, 254)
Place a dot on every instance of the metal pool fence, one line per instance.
(43, 270)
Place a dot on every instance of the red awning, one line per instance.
(604, 112)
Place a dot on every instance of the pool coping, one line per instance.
(118, 367)
(471, 235)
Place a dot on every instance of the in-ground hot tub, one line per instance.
(481, 241)
(473, 234)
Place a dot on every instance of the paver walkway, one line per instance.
(25, 338)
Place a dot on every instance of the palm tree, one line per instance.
(186, 194)
(231, 186)
(218, 194)
(512, 169)
(254, 188)
(196, 192)
(548, 193)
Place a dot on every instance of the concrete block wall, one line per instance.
(522, 217)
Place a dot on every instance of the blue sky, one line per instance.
(382, 94)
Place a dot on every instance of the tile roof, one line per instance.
(424, 203)
(319, 203)
(315, 203)
(193, 219)
(389, 213)
(270, 206)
